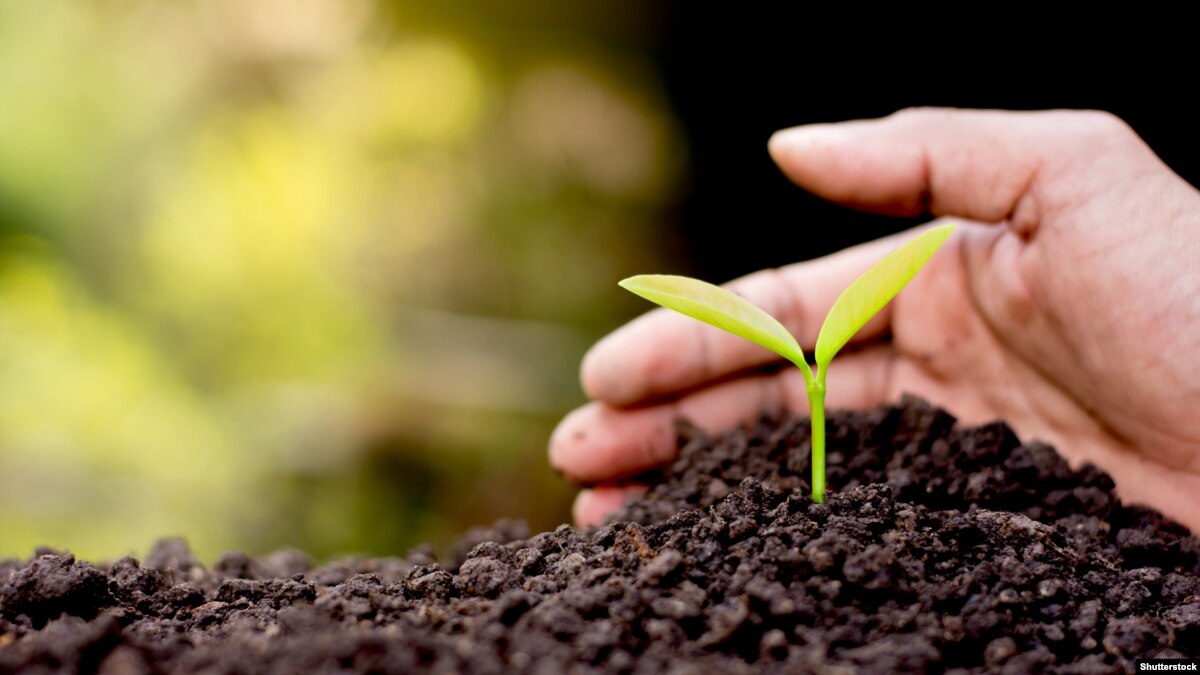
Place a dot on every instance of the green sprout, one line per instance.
(851, 311)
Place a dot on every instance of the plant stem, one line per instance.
(816, 401)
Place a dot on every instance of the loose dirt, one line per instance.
(939, 549)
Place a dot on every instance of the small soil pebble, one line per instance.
(939, 549)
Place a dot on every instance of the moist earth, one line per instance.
(939, 549)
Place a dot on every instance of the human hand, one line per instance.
(1075, 317)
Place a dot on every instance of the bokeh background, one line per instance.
(319, 273)
(316, 272)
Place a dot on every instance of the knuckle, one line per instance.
(920, 115)
(1092, 126)
(1103, 120)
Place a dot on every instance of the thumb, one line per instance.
(984, 165)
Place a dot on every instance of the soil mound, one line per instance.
(939, 549)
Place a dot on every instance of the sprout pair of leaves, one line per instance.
(851, 311)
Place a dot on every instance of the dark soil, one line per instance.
(942, 549)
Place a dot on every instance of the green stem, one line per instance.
(816, 401)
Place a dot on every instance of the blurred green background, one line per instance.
(314, 273)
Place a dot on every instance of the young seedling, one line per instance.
(851, 311)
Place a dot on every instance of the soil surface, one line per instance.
(939, 549)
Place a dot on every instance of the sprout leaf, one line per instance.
(851, 311)
(874, 289)
(718, 307)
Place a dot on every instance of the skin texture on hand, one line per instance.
(1067, 304)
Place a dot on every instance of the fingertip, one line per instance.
(592, 507)
(779, 142)
(570, 432)
(850, 163)
(593, 370)
(597, 442)
(642, 359)
(800, 138)
(796, 148)
(612, 371)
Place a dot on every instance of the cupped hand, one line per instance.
(1069, 307)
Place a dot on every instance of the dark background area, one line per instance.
(734, 78)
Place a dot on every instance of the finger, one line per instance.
(599, 442)
(592, 507)
(663, 353)
(977, 164)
